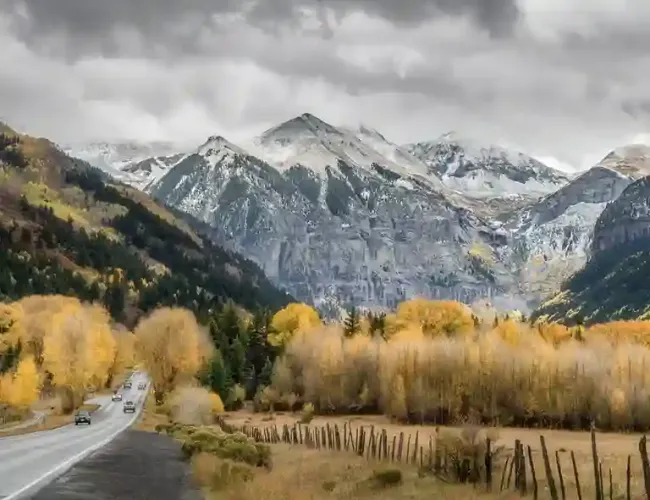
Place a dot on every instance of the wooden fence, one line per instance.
(472, 462)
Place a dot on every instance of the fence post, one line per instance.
(547, 468)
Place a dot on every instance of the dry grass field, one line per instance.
(302, 474)
(613, 451)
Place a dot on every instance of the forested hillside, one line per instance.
(65, 228)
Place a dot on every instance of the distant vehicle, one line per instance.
(129, 406)
(82, 417)
(127, 384)
(117, 397)
(142, 386)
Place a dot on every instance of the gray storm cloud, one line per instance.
(99, 22)
(558, 78)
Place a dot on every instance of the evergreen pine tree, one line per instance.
(217, 376)
(237, 360)
(352, 324)
(265, 376)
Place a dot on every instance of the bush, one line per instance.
(307, 414)
(236, 397)
(465, 452)
(194, 406)
(215, 473)
(236, 447)
(387, 477)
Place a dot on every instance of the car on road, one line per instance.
(129, 406)
(82, 417)
(117, 397)
(141, 387)
(127, 384)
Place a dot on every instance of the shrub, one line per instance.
(194, 406)
(387, 477)
(215, 473)
(236, 397)
(236, 447)
(307, 414)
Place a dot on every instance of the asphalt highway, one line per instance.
(30, 461)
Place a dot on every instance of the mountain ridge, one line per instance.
(309, 183)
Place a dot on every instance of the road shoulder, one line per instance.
(136, 464)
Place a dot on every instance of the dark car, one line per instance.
(82, 417)
(129, 406)
(142, 386)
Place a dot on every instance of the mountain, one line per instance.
(632, 160)
(552, 237)
(613, 284)
(344, 214)
(332, 217)
(308, 141)
(66, 227)
(486, 171)
(135, 163)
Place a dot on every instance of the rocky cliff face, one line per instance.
(613, 283)
(550, 239)
(625, 220)
(358, 231)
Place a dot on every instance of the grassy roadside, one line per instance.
(48, 423)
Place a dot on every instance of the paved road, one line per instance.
(136, 465)
(29, 462)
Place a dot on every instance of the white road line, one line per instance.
(61, 468)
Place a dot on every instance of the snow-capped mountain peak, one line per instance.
(305, 126)
(217, 143)
(481, 171)
(632, 160)
(309, 141)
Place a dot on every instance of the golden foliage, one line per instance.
(436, 317)
(621, 332)
(294, 319)
(503, 372)
(70, 340)
(554, 332)
(21, 389)
(172, 348)
(78, 349)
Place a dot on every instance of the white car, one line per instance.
(117, 397)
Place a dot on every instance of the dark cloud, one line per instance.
(96, 26)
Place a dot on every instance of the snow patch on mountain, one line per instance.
(137, 164)
(469, 167)
(118, 155)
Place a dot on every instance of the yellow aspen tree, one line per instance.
(397, 404)
(26, 383)
(172, 348)
(294, 319)
(12, 325)
(437, 317)
(22, 388)
(77, 350)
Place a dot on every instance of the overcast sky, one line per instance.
(564, 80)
